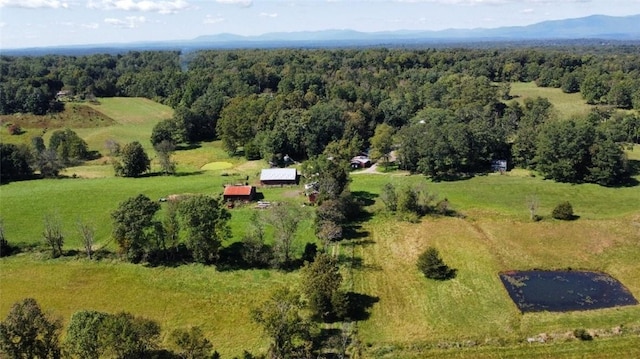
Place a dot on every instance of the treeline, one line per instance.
(302, 103)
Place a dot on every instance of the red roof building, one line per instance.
(239, 193)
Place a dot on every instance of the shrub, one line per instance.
(563, 211)
(433, 267)
(582, 334)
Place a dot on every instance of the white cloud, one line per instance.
(129, 22)
(162, 7)
(491, 2)
(212, 19)
(527, 11)
(243, 3)
(264, 14)
(3, 24)
(34, 4)
(91, 25)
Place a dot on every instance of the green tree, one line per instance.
(205, 219)
(563, 211)
(191, 343)
(69, 146)
(608, 163)
(132, 225)
(126, 336)
(169, 130)
(389, 197)
(14, 162)
(281, 319)
(134, 161)
(562, 150)
(27, 333)
(382, 143)
(164, 150)
(321, 280)
(432, 266)
(83, 334)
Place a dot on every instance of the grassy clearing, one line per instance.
(567, 105)
(218, 302)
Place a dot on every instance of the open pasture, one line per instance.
(567, 105)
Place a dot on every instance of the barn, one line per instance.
(279, 176)
(239, 193)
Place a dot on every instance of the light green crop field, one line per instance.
(470, 316)
(567, 105)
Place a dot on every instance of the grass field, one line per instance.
(567, 105)
(470, 316)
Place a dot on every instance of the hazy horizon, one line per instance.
(44, 23)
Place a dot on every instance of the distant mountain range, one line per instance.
(599, 27)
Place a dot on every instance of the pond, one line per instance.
(562, 291)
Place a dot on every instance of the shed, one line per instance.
(239, 193)
(499, 165)
(279, 176)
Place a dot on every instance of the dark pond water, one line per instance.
(561, 291)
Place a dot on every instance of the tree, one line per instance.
(134, 161)
(285, 222)
(321, 280)
(281, 320)
(563, 211)
(126, 336)
(382, 143)
(83, 334)
(164, 150)
(132, 223)
(69, 146)
(191, 343)
(49, 163)
(14, 162)
(87, 233)
(433, 267)
(205, 220)
(608, 162)
(169, 130)
(329, 220)
(27, 333)
(52, 234)
(389, 197)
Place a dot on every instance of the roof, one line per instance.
(278, 174)
(360, 159)
(238, 190)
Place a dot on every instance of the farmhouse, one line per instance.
(360, 162)
(239, 193)
(279, 176)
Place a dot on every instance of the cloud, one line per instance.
(34, 4)
(527, 11)
(243, 3)
(212, 19)
(129, 22)
(491, 2)
(264, 14)
(162, 7)
(91, 25)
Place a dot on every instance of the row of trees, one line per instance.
(28, 333)
(65, 149)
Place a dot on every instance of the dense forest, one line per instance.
(448, 111)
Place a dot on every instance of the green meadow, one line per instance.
(470, 316)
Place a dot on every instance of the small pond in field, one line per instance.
(562, 291)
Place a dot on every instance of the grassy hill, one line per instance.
(470, 316)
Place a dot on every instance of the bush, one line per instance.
(563, 211)
(582, 334)
(433, 267)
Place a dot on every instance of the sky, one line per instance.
(41, 23)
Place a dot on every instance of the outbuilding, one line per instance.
(239, 193)
(279, 176)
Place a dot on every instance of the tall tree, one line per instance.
(284, 220)
(27, 333)
(281, 319)
(83, 334)
(205, 219)
(321, 280)
(382, 143)
(132, 224)
(191, 343)
(134, 160)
